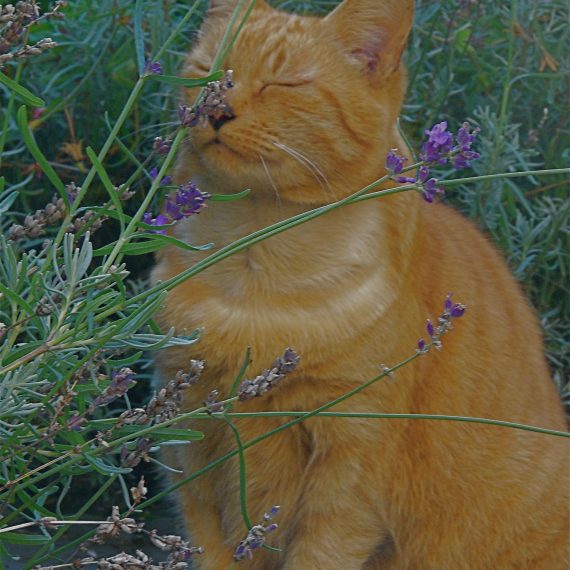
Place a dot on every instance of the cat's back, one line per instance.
(501, 333)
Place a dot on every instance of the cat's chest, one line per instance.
(314, 285)
(268, 300)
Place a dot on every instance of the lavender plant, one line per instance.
(73, 326)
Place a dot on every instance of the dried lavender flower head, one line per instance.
(15, 19)
(270, 377)
(213, 105)
(256, 536)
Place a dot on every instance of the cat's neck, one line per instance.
(352, 243)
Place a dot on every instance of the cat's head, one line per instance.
(314, 103)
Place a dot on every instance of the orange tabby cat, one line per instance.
(314, 106)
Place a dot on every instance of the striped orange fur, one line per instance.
(315, 104)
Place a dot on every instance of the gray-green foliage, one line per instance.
(505, 66)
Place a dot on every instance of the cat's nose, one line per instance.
(218, 122)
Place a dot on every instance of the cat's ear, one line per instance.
(227, 6)
(373, 33)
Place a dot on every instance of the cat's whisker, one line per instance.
(309, 164)
(303, 159)
(271, 180)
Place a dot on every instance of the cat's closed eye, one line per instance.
(283, 84)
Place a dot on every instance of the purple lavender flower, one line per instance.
(457, 310)
(465, 136)
(153, 173)
(438, 145)
(394, 162)
(187, 201)
(423, 174)
(153, 67)
(160, 220)
(430, 189)
(451, 311)
(463, 154)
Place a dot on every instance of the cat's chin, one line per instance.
(219, 158)
(220, 151)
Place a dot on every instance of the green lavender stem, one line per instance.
(387, 416)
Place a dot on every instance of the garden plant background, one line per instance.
(79, 421)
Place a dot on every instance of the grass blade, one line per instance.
(108, 186)
(27, 96)
(139, 39)
(38, 154)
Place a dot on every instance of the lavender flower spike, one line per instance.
(269, 378)
(121, 381)
(451, 311)
(255, 537)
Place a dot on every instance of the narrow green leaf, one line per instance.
(2, 182)
(16, 353)
(160, 434)
(38, 155)
(26, 95)
(139, 39)
(127, 361)
(15, 298)
(146, 342)
(8, 200)
(164, 434)
(103, 467)
(187, 81)
(151, 243)
(26, 539)
(230, 197)
(142, 248)
(108, 186)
